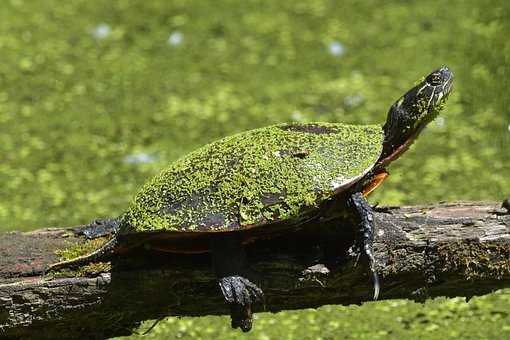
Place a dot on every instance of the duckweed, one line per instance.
(256, 177)
(73, 107)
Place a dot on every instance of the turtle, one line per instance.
(268, 180)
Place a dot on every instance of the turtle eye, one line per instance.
(435, 79)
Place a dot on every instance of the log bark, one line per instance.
(460, 249)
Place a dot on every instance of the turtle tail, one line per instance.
(85, 259)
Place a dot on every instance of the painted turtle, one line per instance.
(218, 197)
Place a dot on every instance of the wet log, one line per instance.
(460, 249)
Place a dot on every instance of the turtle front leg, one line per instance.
(366, 230)
(229, 261)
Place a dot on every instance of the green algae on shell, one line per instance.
(255, 177)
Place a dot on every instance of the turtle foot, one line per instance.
(101, 227)
(240, 293)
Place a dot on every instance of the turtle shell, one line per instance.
(255, 178)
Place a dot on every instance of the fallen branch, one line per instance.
(458, 249)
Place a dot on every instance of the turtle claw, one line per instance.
(241, 317)
(240, 293)
(506, 205)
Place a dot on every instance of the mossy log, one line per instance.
(460, 249)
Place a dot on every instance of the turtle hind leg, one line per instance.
(366, 230)
(229, 261)
(101, 227)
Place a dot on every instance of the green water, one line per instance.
(96, 97)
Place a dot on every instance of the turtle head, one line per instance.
(415, 109)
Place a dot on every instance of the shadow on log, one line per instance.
(460, 249)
